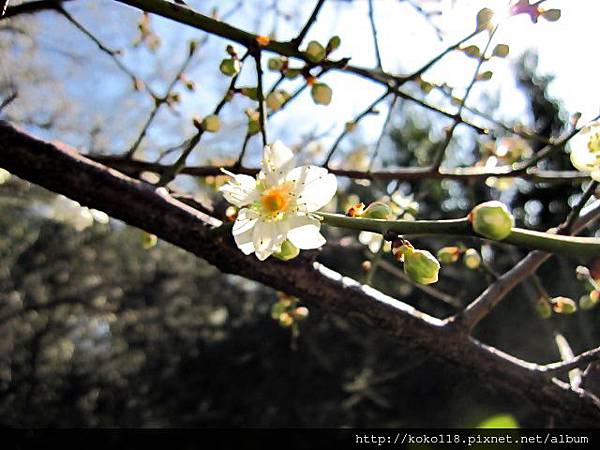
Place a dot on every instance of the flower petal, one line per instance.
(315, 187)
(243, 230)
(267, 238)
(304, 232)
(276, 162)
(240, 191)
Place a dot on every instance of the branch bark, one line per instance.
(32, 7)
(63, 170)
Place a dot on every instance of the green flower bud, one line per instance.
(472, 51)
(275, 64)
(230, 50)
(333, 44)
(589, 301)
(148, 241)
(275, 100)
(321, 93)
(278, 309)
(250, 92)
(290, 74)
(211, 123)
(501, 50)
(543, 308)
(230, 67)
(472, 259)
(551, 15)
(315, 52)
(586, 303)
(288, 251)
(448, 255)
(253, 127)
(420, 265)
(484, 18)
(377, 210)
(563, 305)
(492, 220)
(193, 46)
(286, 320)
(485, 76)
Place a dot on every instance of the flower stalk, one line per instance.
(581, 247)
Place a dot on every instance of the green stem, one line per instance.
(583, 247)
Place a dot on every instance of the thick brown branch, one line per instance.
(63, 170)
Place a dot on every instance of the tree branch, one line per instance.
(63, 170)
(32, 7)
(482, 305)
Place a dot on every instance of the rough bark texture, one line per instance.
(63, 170)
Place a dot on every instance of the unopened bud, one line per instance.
(211, 123)
(315, 52)
(355, 210)
(563, 305)
(253, 126)
(472, 259)
(492, 220)
(230, 67)
(377, 210)
(275, 64)
(551, 15)
(420, 265)
(300, 313)
(275, 100)
(321, 93)
(448, 255)
(290, 74)
(366, 266)
(286, 320)
(149, 241)
(250, 92)
(333, 44)
(589, 301)
(231, 51)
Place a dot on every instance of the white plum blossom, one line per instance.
(80, 217)
(279, 203)
(585, 150)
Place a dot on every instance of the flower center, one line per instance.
(276, 199)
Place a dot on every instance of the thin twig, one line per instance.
(160, 101)
(374, 34)
(358, 118)
(261, 97)
(313, 17)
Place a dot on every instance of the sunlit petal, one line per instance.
(304, 232)
(315, 187)
(267, 238)
(276, 162)
(240, 191)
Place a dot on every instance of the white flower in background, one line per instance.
(279, 203)
(406, 205)
(80, 217)
(4, 176)
(585, 150)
